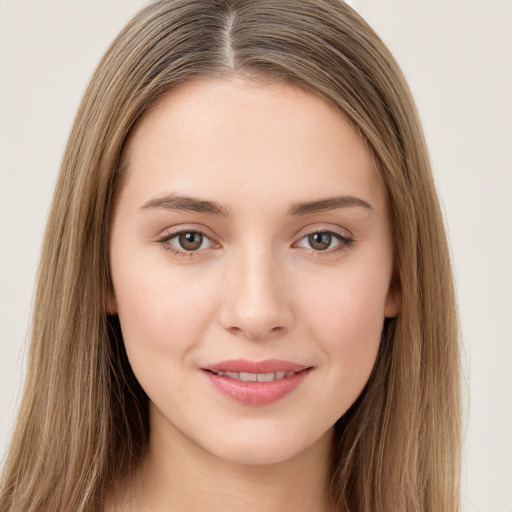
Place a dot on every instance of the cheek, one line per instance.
(346, 319)
(163, 314)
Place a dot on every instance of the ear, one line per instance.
(393, 304)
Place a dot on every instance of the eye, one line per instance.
(187, 241)
(324, 241)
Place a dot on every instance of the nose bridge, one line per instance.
(255, 297)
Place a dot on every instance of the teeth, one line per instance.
(256, 377)
(248, 377)
(265, 377)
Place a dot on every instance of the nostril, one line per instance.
(255, 334)
(254, 315)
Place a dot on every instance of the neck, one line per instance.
(182, 476)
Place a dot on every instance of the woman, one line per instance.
(245, 296)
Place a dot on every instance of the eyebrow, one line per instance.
(329, 203)
(192, 204)
(186, 203)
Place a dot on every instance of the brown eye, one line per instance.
(329, 242)
(190, 240)
(187, 243)
(320, 241)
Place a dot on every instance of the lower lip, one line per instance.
(256, 393)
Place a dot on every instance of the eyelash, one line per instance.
(344, 242)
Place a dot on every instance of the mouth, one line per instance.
(256, 377)
(256, 382)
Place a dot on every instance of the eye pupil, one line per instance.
(190, 241)
(320, 241)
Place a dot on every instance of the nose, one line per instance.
(255, 303)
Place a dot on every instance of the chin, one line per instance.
(262, 450)
(257, 456)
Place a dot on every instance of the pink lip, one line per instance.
(256, 393)
(266, 366)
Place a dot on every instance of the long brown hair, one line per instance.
(83, 421)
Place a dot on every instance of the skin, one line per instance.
(255, 289)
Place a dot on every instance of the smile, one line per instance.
(256, 382)
(256, 377)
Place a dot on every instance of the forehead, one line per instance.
(239, 140)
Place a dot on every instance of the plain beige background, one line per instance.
(457, 55)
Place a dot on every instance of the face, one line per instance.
(251, 259)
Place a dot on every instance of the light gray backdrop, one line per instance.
(457, 57)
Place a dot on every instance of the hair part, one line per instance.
(83, 421)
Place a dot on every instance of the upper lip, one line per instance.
(265, 366)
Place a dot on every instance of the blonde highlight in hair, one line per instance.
(83, 420)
